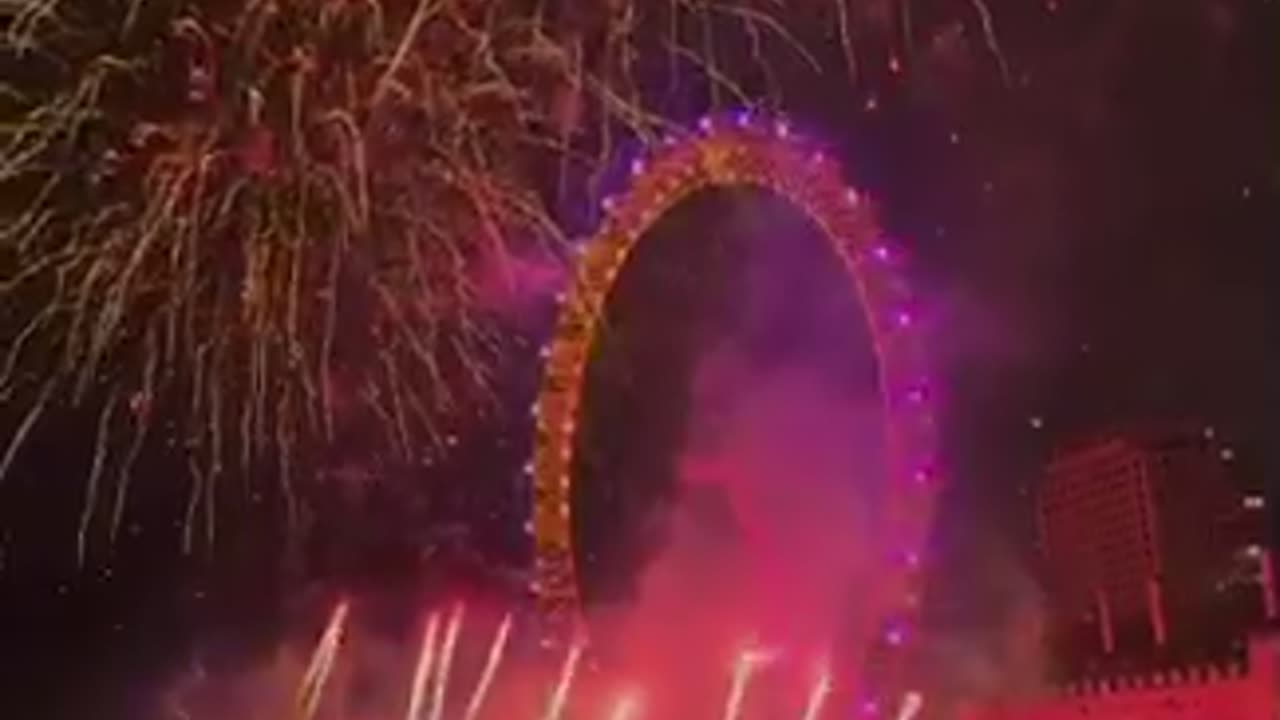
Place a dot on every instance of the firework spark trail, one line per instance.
(989, 35)
(311, 689)
(446, 661)
(744, 669)
(818, 695)
(560, 695)
(422, 670)
(492, 661)
(237, 237)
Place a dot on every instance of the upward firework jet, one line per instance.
(744, 669)
(311, 689)
(422, 670)
(491, 664)
(432, 673)
(818, 695)
(560, 695)
(446, 663)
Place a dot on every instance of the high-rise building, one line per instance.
(1149, 546)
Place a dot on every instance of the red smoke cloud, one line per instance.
(770, 541)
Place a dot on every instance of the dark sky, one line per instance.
(1088, 229)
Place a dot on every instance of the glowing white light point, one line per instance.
(912, 704)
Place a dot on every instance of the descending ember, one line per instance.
(248, 229)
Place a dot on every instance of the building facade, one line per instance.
(1149, 549)
(1160, 582)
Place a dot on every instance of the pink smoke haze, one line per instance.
(771, 540)
(516, 287)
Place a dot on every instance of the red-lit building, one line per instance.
(1160, 583)
(1142, 532)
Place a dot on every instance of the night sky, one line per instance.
(1086, 217)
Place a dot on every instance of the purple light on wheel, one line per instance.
(782, 129)
(742, 118)
(895, 637)
(704, 123)
(637, 166)
(903, 319)
(609, 203)
(881, 252)
(918, 394)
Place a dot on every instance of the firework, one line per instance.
(743, 670)
(422, 670)
(818, 695)
(446, 662)
(432, 673)
(492, 661)
(316, 679)
(560, 695)
(245, 228)
(240, 228)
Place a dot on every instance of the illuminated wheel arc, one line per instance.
(738, 154)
